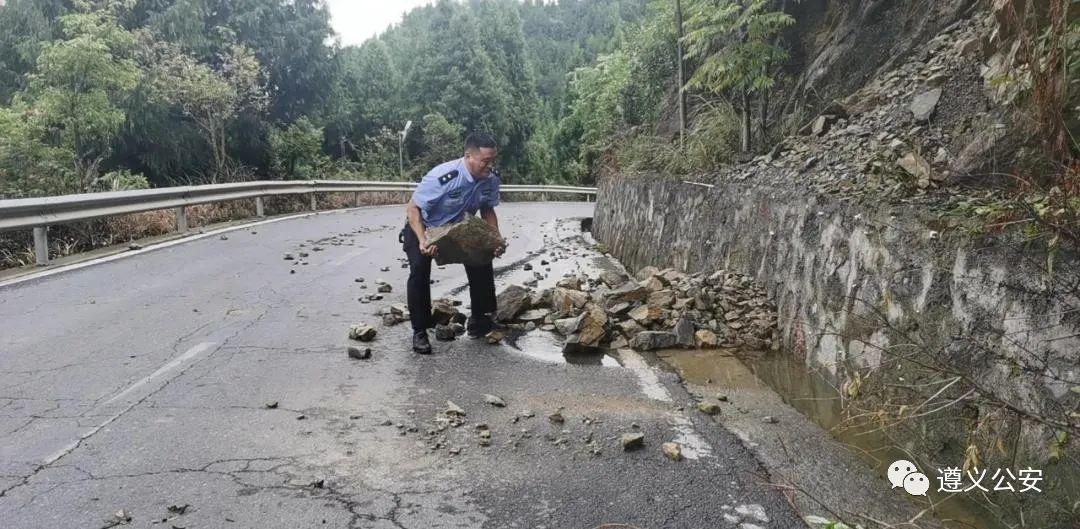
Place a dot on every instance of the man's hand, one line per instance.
(501, 248)
(429, 250)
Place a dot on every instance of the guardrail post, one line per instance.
(314, 204)
(260, 207)
(41, 245)
(356, 199)
(181, 219)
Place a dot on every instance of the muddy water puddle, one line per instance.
(722, 371)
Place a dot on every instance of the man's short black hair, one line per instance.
(480, 140)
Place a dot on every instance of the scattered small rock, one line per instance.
(363, 333)
(754, 511)
(454, 410)
(709, 408)
(673, 451)
(444, 333)
(633, 441)
(121, 517)
(358, 353)
(272, 405)
(495, 401)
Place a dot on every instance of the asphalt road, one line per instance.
(143, 383)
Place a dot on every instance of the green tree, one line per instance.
(290, 39)
(26, 26)
(597, 110)
(734, 42)
(297, 150)
(28, 166)
(366, 95)
(212, 97)
(74, 100)
(441, 141)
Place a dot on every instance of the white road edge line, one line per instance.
(693, 445)
(172, 365)
(189, 354)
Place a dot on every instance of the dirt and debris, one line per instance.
(656, 309)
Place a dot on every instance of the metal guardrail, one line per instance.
(40, 213)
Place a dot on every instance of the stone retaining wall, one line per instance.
(879, 300)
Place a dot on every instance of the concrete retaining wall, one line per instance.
(882, 300)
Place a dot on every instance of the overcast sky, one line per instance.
(358, 20)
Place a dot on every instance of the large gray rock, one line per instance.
(684, 332)
(822, 124)
(511, 302)
(650, 340)
(566, 301)
(572, 283)
(534, 315)
(663, 299)
(654, 283)
(918, 167)
(593, 325)
(645, 314)
(613, 279)
(630, 328)
(628, 292)
(924, 104)
(443, 311)
(362, 332)
(573, 346)
(568, 326)
(471, 241)
(646, 273)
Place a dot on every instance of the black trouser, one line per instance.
(481, 284)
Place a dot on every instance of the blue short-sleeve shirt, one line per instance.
(449, 192)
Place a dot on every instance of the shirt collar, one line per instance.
(465, 170)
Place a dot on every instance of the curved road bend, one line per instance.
(144, 384)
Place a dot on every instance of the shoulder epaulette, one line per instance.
(448, 177)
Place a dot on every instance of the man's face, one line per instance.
(480, 161)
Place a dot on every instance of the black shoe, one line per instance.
(479, 326)
(420, 343)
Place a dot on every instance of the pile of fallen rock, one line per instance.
(657, 309)
(910, 130)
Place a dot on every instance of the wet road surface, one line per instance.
(205, 385)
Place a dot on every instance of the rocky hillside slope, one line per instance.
(858, 226)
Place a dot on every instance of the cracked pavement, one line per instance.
(143, 383)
